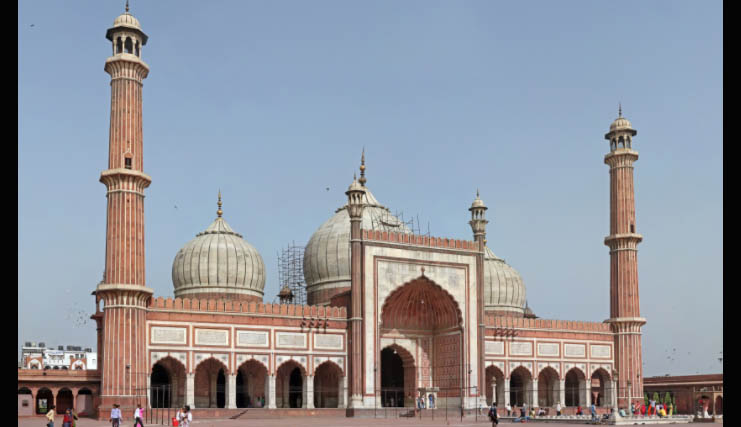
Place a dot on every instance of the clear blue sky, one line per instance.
(273, 101)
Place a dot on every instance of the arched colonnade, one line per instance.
(213, 385)
(548, 388)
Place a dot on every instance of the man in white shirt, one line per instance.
(138, 416)
(558, 409)
(184, 417)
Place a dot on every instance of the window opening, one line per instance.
(127, 163)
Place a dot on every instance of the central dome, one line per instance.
(327, 255)
(219, 264)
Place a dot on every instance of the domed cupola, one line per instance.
(219, 264)
(327, 255)
(504, 290)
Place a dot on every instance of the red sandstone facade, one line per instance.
(415, 307)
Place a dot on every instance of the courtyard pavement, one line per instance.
(302, 422)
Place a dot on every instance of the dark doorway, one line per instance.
(242, 397)
(221, 390)
(160, 387)
(65, 400)
(392, 378)
(44, 400)
(295, 388)
(572, 388)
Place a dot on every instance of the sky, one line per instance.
(272, 103)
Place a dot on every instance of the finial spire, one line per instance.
(477, 193)
(127, 6)
(362, 169)
(219, 212)
(620, 109)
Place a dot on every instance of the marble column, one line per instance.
(231, 391)
(189, 390)
(562, 393)
(493, 392)
(534, 398)
(270, 395)
(342, 392)
(506, 393)
(309, 380)
(212, 391)
(585, 390)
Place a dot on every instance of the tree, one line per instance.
(656, 397)
(645, 399)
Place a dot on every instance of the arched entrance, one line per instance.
(251, 384)
(289, 385)
(210, 384)
(396, 363)
(520, 387)
(600, 382)
(44, 400)
(84, 404)
(65, 400)
(167, 384)
(429, 317)
(548, 390)
(25, 402)
(575, 388)
(494, 386)
(327, 379)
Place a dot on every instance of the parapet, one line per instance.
(525, 323)
(416, 240)
(226, 306)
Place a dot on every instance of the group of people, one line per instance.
(653, 408)
(422, 404)
(184, 417)
(69, 417)
(526, 415)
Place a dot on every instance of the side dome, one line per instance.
(219, 264)
(327, 255)
(504, 290)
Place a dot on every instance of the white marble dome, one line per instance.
(504, 290)
(327, 255)
(127, 20)
(219, 263)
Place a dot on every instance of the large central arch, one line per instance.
(422, 313)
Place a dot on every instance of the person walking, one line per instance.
(50, 416)
(593, 411)
(558, 409)
(67, 420)
(138, 416)
(508, 407)
(493, 416)
(116, 417)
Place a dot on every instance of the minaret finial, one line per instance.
(219, 212)
(620, 109)
(362, 169)
(127, 6)
(477, 193)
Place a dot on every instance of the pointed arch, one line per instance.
(420, 304)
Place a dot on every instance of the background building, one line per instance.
(38, 356)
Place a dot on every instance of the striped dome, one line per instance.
(504, 290)
(218, 263)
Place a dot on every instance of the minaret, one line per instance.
(623, 243)
(124, 370)
(478, 226)
(355, 209)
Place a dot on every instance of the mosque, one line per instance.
(393, 316)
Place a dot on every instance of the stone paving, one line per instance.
(303, 422)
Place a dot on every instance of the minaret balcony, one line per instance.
(626, 241)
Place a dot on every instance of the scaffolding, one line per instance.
(395, 222)
(291, 275)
